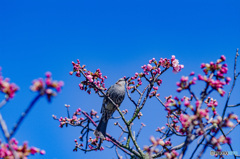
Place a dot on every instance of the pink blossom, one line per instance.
(161, 142)
(187, 103)
(184, 79)
(90, 78)
(229, 123)
(74, 117)
(175, 63)
(149, 67)
(152, 139)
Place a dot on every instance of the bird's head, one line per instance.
(122, 81)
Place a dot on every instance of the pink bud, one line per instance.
(192, 73)
(74, 117)
(161, 142)
(200, 77)
(223, 58)
(202, 65)
(48, 74)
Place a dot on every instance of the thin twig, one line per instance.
(123, 129)
(130, 98)
(198, 146)
(234, 81)
(234, 105)
(232, 129)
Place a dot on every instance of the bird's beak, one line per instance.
(126, 78)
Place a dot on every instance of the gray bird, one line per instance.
(117, 93)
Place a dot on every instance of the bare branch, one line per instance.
(234, 81)
(234, 105)
(24, 114)
(131, 98)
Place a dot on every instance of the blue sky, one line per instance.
(116, 36)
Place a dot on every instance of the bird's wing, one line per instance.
(105, 99)
(120, 98)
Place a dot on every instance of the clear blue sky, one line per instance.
(116, 36)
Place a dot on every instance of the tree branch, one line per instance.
(24, 114)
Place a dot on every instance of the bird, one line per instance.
(117, 93)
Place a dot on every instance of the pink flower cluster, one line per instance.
(227, 122)
(165, 63)
(153, 69)
(76, 118)
(200, 114)
(46, 87)
(171, 155)
(185, 83)
(175, 65)
(132, 82)
(92, 79)
(218, 142)
(211, 103)
(216, 79)
(22, 151)
(73, 120)
(92, 146)
(159, 142)
(7, 88)
(212, 67)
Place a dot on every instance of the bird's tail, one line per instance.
(101, 129)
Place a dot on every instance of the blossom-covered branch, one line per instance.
(95, 81)
(11, 149)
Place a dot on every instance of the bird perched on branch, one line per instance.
(117, 93)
